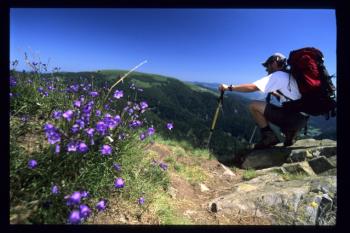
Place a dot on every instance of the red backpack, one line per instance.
(314, 82)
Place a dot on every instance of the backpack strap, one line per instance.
(279, 92)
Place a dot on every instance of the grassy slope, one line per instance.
(191, 109)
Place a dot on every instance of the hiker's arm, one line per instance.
(250, 87)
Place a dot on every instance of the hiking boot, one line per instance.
(268, 140)
(290, 137)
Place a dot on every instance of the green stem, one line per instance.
(120, 80)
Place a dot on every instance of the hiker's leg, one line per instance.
(295, 123)
(268, 138)
(257, 109)
(289, 122)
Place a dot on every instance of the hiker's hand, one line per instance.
(223, 87)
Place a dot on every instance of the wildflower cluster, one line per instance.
(80, 211)
(84, 128)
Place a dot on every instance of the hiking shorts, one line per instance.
(286, 120)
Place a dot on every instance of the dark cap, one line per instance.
(274, 57)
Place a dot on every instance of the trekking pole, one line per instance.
(220, 102)
(251, 138)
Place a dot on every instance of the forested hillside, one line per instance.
(191, 106)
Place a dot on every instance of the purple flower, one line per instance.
(57, 114)
(84, 194)
(82, 147)
(74, 198)
(55, 189)
(109, 121)
(130, 111)
(51, 132)
(107, 117)
(80, 122)
(142, 136)
(163, 166)
(101, 205)
(98, 113)
(117, 167)
(144, 105)
(32, 164)
(135, 123)
(40, 90)
(118, 94)
(106, 150)
(68, 115)
(169, 126)
(119, 183)
(74, 88)
(75, 128)
(53, 137)
(87, 108)
(150, 131)
(74, 217)
(94, 93)
(90, 132)
(141, 200)
(72, 146)
(77, 103)
(101, 127)
(84, 211)
(117, 119)
(48, 127)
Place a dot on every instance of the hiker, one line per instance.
(278, 79)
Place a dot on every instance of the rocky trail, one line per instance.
(289, 186)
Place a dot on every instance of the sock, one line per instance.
(265, 129)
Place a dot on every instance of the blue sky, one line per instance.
(207, 45)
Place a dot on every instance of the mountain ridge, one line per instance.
(191, 106)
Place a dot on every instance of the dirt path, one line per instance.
(192, 197)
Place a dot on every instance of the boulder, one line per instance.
(320, 164)
(307, 201)
(302, 150)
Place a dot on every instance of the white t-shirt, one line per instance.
(281, 81)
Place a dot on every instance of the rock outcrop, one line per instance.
(306, 149)
(307, 201)
(294, 185)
